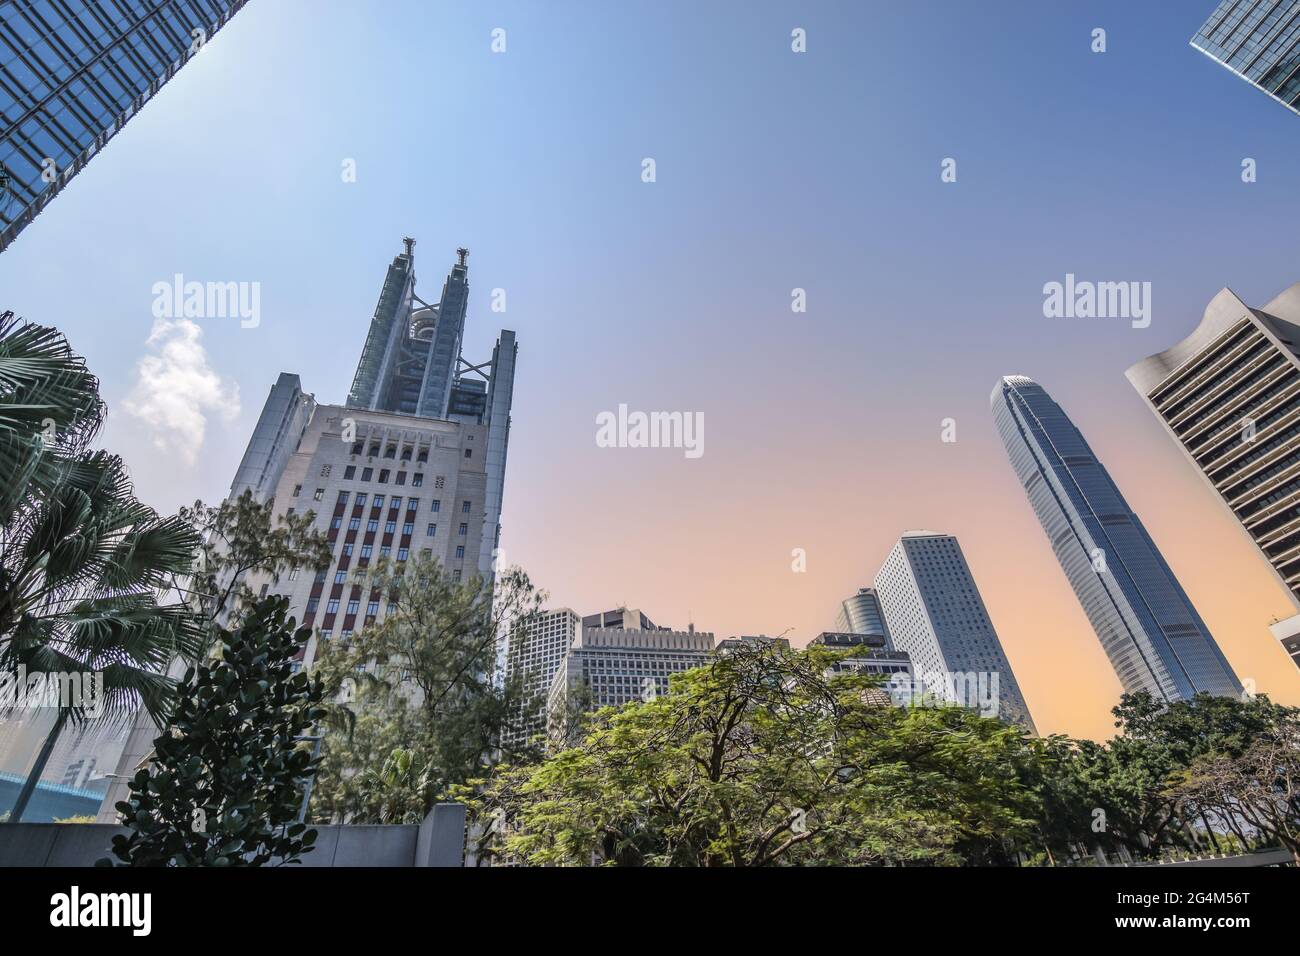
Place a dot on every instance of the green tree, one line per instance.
(225, 784)
(419, 689)
(84, 565)
(765, 757)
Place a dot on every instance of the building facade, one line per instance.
(862, 614)
(72, 74)
(1229, 395)
(611, 666)
(936, 615)
(382, 481)
(535, 651)
(1259, 40)
(1147, 625)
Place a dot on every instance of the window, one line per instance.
(455, 575)
(374, 450)
(366, 473)
(469, 452)
(349, 472)
(372, 608)
(336, 523)
(367, 550)
(361, 500)
(417, 479)
(432, 530)
(435, 506)
(403, 554)
(408, 528)
(413, 504)
(390, 451)
(326, 633)
(358, 447)
(319, 495)
(354, 524)
(372, 525)
(347, 550)
(353, 606)
(426, 553)
(332, 607)
(463, 530)
(312, 605)
(460, 551)
(343, 498)
(400, 478)
(379, 501)
(340, 577)
(297, 490)
(293, 574)
(291, 511)
(395, 502)
(385, 551)
(423, 455)
(464, 507)
(320, 575)
(390, 527)
(383, 476)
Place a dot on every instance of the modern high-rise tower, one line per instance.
(73, 73)
(1229, 394)
(382, 480)
(1149, 629)
(861, 614)
(1259, 40)
(936, 615)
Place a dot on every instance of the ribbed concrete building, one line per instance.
(1229, 394)
(1155, 639)
(1259, 40)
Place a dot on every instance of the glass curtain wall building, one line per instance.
(1146, 624)
(72, 73)
(1259, 40)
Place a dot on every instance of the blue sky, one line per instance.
(775, 171)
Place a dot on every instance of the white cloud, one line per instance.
(176, 390)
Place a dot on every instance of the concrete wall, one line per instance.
(438, 841)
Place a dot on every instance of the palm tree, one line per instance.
(83, 563)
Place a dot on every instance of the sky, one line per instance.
(775, 171)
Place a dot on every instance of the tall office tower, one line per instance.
(861, 614)
(74, 72)
(1259, 40)
(610, 666)
(1149, 629)
(936, 615)
(535, 651)
(382, 480)
(1229, 394)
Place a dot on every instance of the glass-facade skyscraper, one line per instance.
(72, 73)
(1259, 40)
(1146, 624)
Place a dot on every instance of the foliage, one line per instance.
(417, 703)
(764, 757)
(225, 784)
(242, 536)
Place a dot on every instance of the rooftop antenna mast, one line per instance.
(461, 254)
(410, 245)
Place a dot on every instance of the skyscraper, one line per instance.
(381, 480)
(74, 72)
(936, 615)
(1259, 40)
(535, 651)
(1229, 394)
(1146, 624)
(861, 614)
